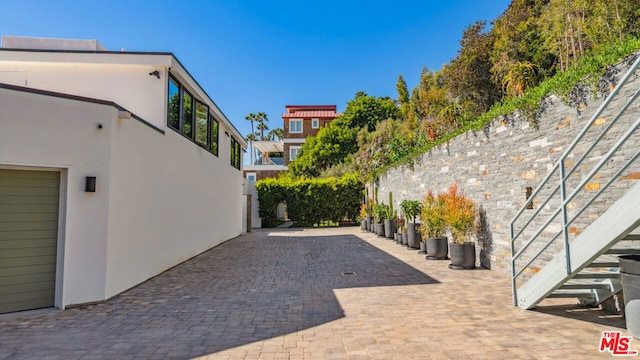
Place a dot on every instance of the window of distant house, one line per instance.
(173, 107)
(315, 123)
(202, 124)
(187, 115)
(251, 177)
(213, 123)
(295, 126)
(235, 153)
(293, 152)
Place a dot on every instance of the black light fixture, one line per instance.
(90, 184)
(226, 133)
(155, 73)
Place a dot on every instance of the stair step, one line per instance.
(632, 237)
(623, 251)
(572, 294)
(585, 286)
(599, 275)
(604, 264)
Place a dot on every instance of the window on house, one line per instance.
(191, 117)
(213, 123)
(295, 126)
(293, 152)
(251, 177)
(235, 153)
(315, 123)
(202, 125)
(187, 114)
(173, 105)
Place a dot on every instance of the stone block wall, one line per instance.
(495, 167)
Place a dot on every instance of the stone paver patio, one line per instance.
(311, 294)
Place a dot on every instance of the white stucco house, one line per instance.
(114, 167)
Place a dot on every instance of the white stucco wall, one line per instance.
(160, 198)
(46, 132)
(130, 86)
(169, 201)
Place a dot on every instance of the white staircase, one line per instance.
(547, 260)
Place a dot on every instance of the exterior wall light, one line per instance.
(90, 184)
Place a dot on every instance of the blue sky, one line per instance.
(255, 56)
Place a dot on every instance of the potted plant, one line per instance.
(363, 217)
(388, 221)
(411, 209)
(399, 224)
(433, 226)
(460, 215)
(369, 211)
(380, 214)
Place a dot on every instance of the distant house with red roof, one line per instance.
(300, 122)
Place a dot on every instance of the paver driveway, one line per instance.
(310, 294)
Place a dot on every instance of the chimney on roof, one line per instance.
(35, 43)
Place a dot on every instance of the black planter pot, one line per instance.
(413, 239)
(389, 228)
(423, 248)
(405, 239)
(363, 224)
(437, 248)
(380, 229)
(630, 278)
(463, 256)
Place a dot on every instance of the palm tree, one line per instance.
(521, 77)
(251, 117)
(251, 138)
(262, 120)
(277, 133)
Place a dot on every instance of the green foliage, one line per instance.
(366, 111)
(380, 212)
(411, 209)
(460, 214)
(271, 192)
(311, 201)
(587, 71)
(432, 215)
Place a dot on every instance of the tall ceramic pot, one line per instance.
(411, 234)
(463, 256)
(437, 248)
(389, 228)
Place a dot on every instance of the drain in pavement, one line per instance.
(348, 273)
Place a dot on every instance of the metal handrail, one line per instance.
(562, 184)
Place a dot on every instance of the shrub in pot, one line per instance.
(389, 224)
(380, 214)
(460, 215)
(433, 226)
(399, 224)
(411, 209)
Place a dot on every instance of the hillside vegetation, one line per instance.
(534, 48)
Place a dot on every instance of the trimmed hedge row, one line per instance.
(310, 201)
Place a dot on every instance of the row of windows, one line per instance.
(295, 125)
(235, 153)
(191, 117)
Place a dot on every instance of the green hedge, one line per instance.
(310, 201)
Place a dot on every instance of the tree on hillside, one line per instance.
(367, 111)
(468, 76)
(403, 97)
(517, 39)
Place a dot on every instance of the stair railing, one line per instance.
(557, 179)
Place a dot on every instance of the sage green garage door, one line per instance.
(28, 238)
